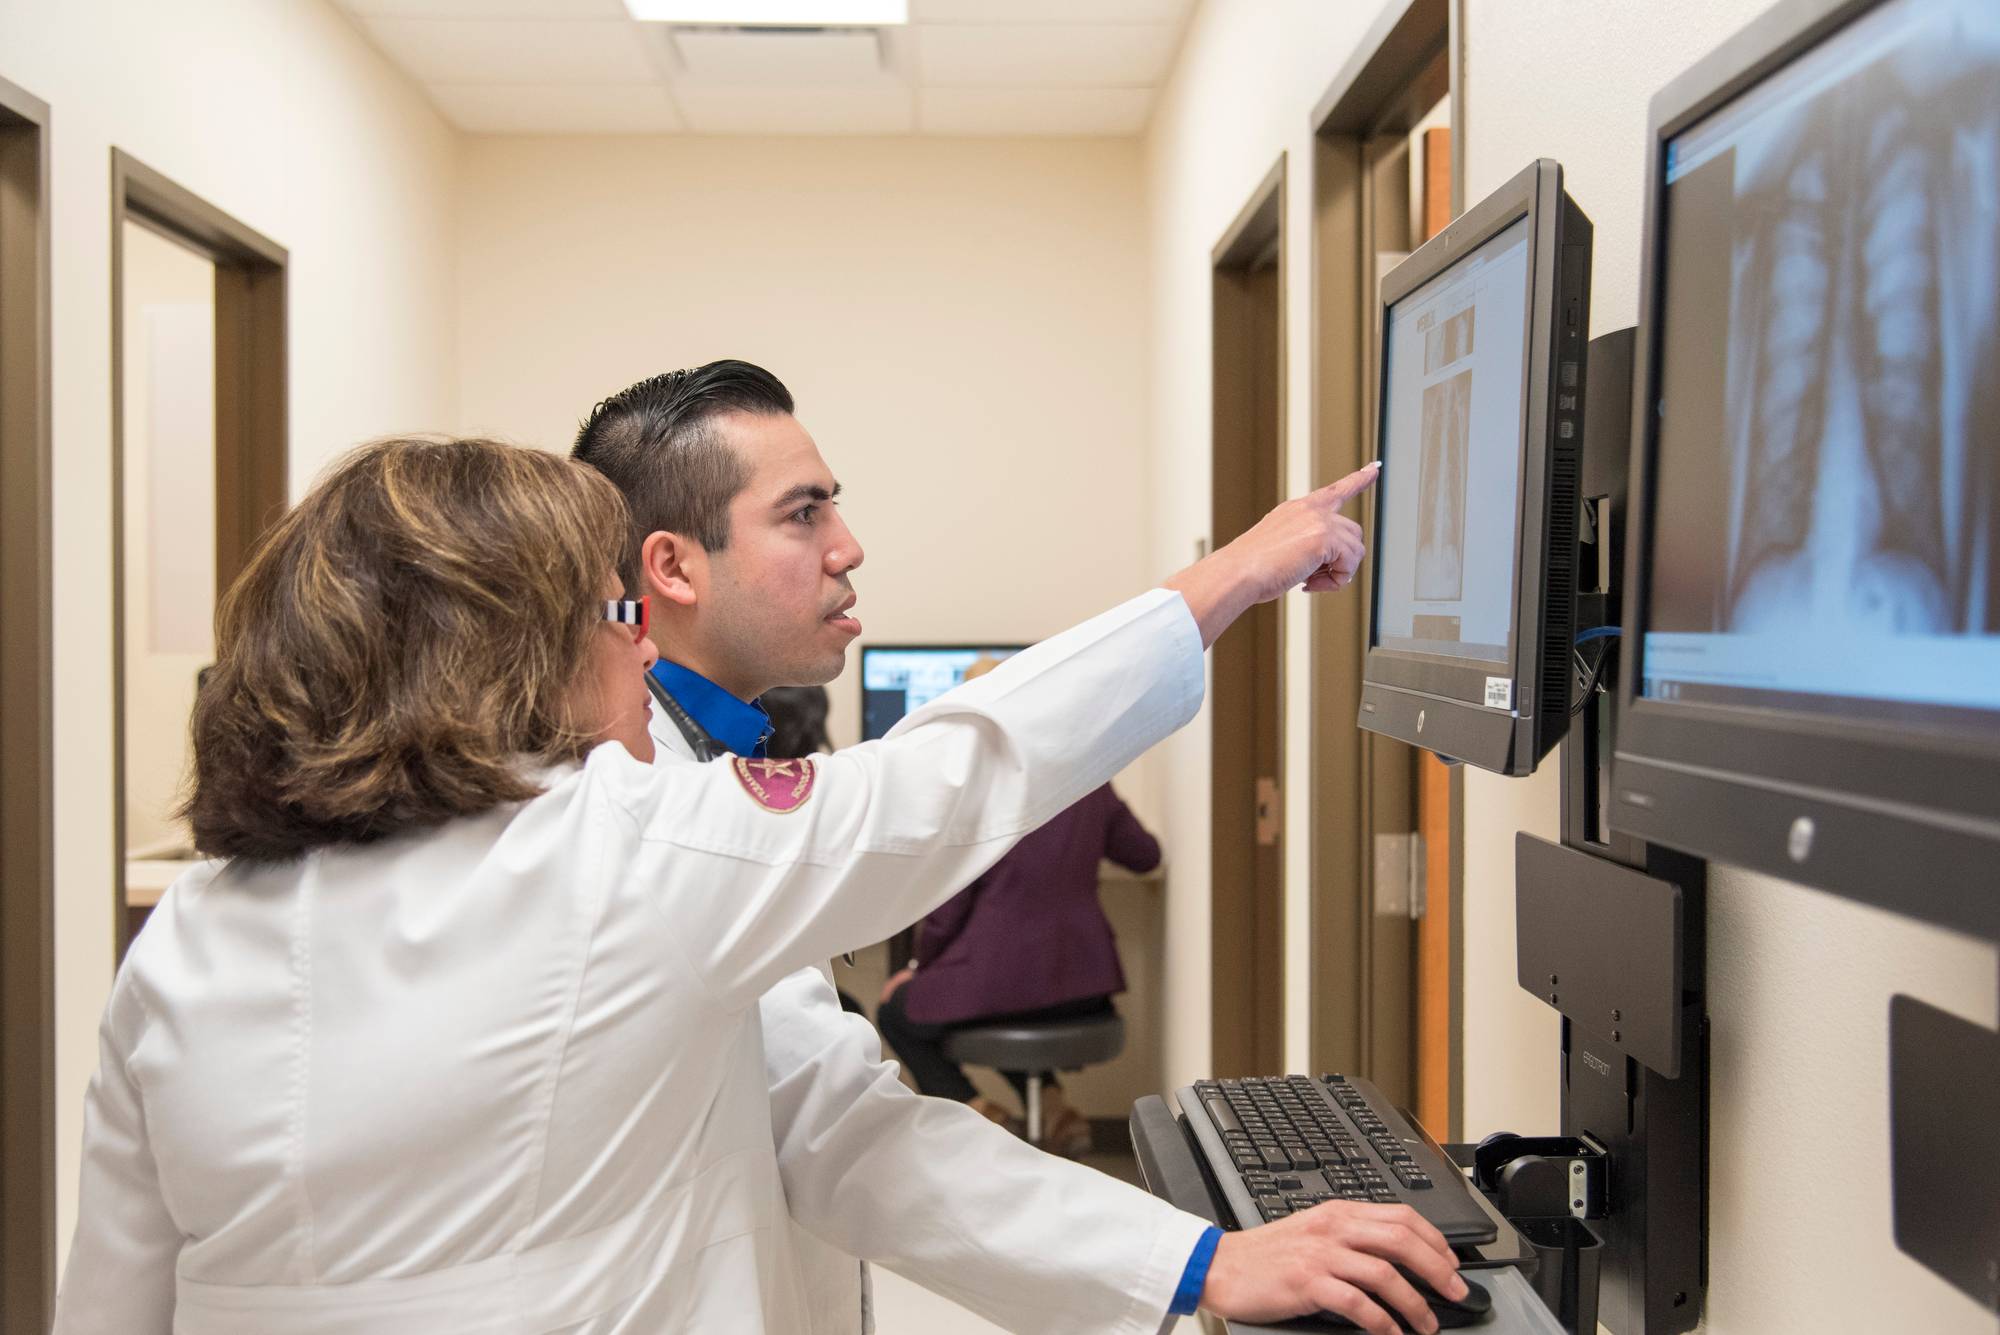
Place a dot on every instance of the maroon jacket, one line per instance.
(1029, 933)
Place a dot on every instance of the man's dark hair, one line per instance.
(657, 443)
(798, 721)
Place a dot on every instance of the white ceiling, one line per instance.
(960, 67)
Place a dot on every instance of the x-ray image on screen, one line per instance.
(1843, 427)
(1441, 469)
(1448, 503)
(1449, 340)
(1861, 320)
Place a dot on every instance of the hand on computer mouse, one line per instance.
(1340, 1257)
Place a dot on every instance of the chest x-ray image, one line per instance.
(1445, 430)
(1441, 476)
(1863, 382)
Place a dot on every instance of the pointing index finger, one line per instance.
(1347, 488)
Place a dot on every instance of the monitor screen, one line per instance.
(1826, 491)
(896, 679)
(1448, 512)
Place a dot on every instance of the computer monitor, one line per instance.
(1479, 430)
(897, 678)
(1812, 680)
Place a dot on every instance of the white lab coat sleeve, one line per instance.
(942, 1196)
(119, 1279)
(891, 829)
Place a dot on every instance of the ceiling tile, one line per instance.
(740, 110)
(525, 51)
(1033, 111)
(778, 56)
(1040, 56)
(488, 9)
(1170, 12)
(494, 108)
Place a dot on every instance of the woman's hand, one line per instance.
(896, 980)
(1339, 1257)
(1304, 541)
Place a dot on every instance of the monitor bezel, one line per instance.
(1452, 692)
(1884, 814)
(863, 650)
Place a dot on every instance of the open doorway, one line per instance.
(27, 819)
(1384, 885)
(198, 471)
(1246, 702)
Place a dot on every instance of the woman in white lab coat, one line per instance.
(458, 1032)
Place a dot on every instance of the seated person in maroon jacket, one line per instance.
(1026, 941)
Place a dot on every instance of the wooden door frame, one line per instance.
(1363, 784)
(1244, 980)
(27, 713)
(250, 411)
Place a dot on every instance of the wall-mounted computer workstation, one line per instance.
(1778, 647)
(1798, 597)
(1490, 596)
(1480, 431)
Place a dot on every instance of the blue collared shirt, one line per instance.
(740, 727)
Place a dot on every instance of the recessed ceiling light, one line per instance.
(774, 13)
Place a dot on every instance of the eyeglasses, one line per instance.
(634, 612)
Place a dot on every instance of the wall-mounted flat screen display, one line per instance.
(897, 678)
(1814, 588)
(1828, 484)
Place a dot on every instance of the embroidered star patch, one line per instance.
(780, 786)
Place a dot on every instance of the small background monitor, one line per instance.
(897, 678)
(1816, 576)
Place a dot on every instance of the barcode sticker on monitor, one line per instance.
(1499, 693)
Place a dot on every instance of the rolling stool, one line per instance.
(1051, 1045)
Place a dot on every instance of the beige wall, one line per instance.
(962, 323)
(1798, 981)
(280, 114)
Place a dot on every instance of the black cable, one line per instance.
(1590, 685)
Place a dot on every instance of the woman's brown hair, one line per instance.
(401, 646)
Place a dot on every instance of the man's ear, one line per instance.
(664, 562)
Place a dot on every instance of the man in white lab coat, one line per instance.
(745, 560)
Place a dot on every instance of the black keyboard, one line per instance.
(1279, 1144)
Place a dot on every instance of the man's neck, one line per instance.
(696, 666)
(686, 651)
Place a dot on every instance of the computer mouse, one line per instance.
(1474, 1309)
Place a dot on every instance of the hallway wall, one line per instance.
(281, 115)
(1798, 981)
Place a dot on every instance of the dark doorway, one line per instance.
(27, 818)
(1246, 703)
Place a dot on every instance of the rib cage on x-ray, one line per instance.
(1862, 385)
(1445, 430)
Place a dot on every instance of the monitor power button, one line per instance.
(1799, 842)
